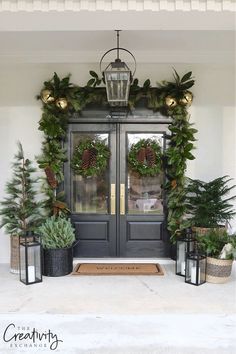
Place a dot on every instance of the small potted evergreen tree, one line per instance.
(208, 204)
(19, 210)
(58, 237)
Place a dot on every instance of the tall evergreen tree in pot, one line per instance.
(20, 212)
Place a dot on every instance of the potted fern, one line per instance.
(58, 237)
(220, 248)
(208, 204)
(20, 210)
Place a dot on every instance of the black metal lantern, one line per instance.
(185, 244)
(195, 268)
(118, 77)
(30, 259)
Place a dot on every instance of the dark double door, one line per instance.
(119, 213)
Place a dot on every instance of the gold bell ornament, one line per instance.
(61, 103)
(170, 101)
(47, 96)
(187, 99)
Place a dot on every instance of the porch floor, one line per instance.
(123, 314)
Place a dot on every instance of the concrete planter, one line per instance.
(218, 270)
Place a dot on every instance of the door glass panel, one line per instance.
(90, 194)
(145, 194)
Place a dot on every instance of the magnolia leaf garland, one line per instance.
(145, 157)
(90, 158)
(170, 98)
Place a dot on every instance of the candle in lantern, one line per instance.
(194, 275)
(31, 274)
(183, 268)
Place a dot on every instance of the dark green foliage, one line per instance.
(54, 125)
(179, 151)
(19, 210)
(57, 233)
(208, 203)
(213, 242)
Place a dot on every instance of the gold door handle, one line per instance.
(113, 198)
(122, 199)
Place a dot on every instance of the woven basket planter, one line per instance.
(201, 231)
(57, 262)
(218, 270)
(15, 256)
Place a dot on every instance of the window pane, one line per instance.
(145, 195)
(90, 194)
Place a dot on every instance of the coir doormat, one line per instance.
(118, 269)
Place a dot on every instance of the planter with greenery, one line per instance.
(220, 249)
(58, 237)
(20, 211)
(209, 204)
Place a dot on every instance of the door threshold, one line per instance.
(124, 260)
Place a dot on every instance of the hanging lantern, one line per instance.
(30, 259)
(195, 268)
(187, 99)
(185, 244)
(170, 101)
(118, 78)
(61, 103)
(47, 96)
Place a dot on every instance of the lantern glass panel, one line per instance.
(22, 263)
(30, 260)
(184, 246)
(180, 258)
(117, 85)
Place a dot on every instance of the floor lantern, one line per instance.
(195, 268)
(30, 259)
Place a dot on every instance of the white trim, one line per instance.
(116, 5)
(123, 260)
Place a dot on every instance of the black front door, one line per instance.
(119, 213)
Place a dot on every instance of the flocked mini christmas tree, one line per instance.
(20, 212)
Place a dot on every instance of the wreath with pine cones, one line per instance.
(90, 158)
(145, 157)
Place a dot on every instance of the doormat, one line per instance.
(118, 269)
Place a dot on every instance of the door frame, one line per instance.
(100, 119)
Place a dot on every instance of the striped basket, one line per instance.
(14, 260)
(201, 231)
(218, 270)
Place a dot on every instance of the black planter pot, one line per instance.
(57, 262)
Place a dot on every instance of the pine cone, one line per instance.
(50, 177)
(141, 155)
(150, 156)
(93, 157)
(58, 206)
(85, 159)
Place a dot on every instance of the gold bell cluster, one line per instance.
(48, 98)
(185, 100)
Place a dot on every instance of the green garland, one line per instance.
(169, 98)
(101, 155)
(144, 167)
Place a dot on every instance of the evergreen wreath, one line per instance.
(145, 157)
(90, 158)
